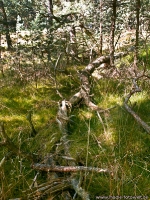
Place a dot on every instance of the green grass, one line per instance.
(114, 141)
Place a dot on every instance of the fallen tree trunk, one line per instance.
(63, 117)
(84, 92)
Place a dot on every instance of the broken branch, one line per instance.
(49, 168)
(134, 90)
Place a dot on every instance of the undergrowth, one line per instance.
(112, 140)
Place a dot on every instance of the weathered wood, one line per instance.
(52, 187)
(84, 92)
(63, 117)
(49, 168)
(134, 90)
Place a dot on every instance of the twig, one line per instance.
(34, 180)
(52, 187)
(134, 90)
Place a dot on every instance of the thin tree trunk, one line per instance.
(0, 46)
(8, 39)
(101, 27)
(112, 33)
(49, 7)
(138, 5)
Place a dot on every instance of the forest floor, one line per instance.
(112, 140)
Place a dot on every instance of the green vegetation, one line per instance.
(55, 114)
(114, 140)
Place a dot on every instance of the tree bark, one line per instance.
(49, 168)
(49, 7)
(101, 28)
(8, 39)
(138, 5)
(112, 33)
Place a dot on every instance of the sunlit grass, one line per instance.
(110, 140)
(122, 141)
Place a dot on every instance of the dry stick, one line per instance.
(134, 90)
(49, 168)
(56, 187)
(34, 180)
(51, 187)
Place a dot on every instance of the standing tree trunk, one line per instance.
(0, 46)
(138, 5)
(112, 33)
(8, 39)
(101, 28)
(49, 7)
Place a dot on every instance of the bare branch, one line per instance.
(49, 168)
(51, 187)
(134, 90)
